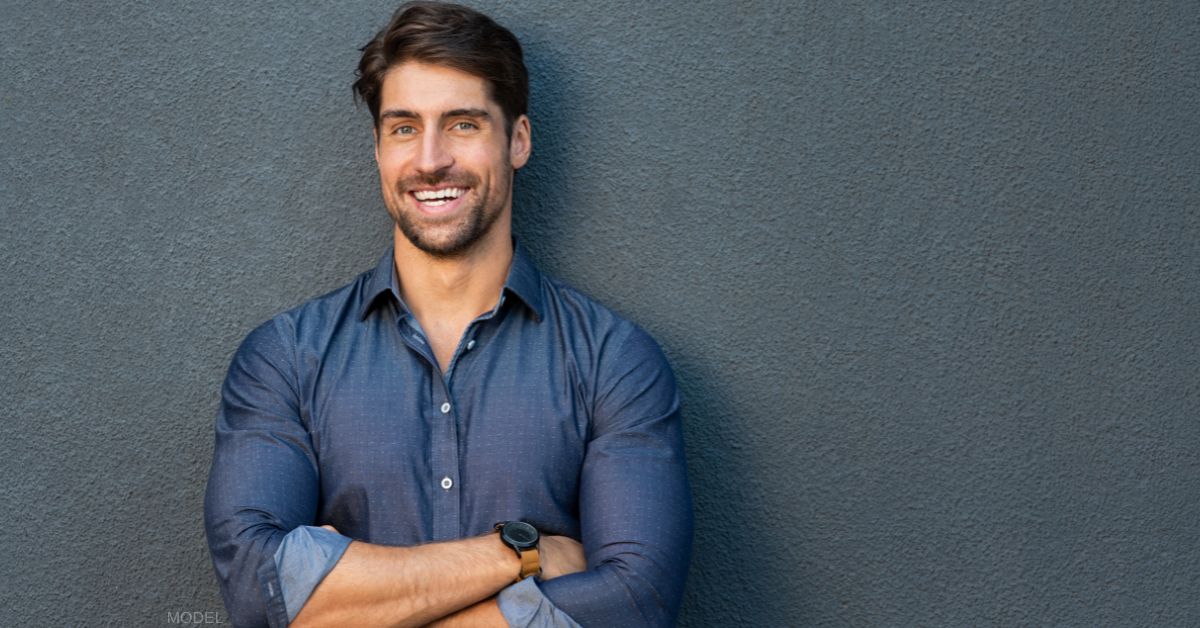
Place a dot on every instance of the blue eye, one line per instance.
(404, 130)
(465, 126)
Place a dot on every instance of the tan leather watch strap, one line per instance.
(529, 564)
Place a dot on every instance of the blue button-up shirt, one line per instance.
(553, 410)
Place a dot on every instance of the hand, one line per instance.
(559, 556)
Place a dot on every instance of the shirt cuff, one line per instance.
(524, 606)
(302, 560)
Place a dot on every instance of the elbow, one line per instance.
(245, 601)
(653, 589)
(245, 568)
(242, 615)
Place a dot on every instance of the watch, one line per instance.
(523, 538)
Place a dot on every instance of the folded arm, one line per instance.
(635, 502)
(375, 585)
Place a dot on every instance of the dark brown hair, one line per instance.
(449, 35)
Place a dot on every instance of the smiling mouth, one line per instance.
(438, 197)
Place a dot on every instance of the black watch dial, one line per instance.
(519, 534)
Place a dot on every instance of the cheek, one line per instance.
(489, 154)
(389, 179)
(386, 163)
(390, 160)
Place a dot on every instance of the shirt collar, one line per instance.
(524, 280)
(383, 279)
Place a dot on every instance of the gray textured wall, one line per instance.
(927, 273)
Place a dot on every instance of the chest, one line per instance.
(505, 434)
(444, 340)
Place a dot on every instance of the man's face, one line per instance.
(445, 161)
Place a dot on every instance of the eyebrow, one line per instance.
(469, 112)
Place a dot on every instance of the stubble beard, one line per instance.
(464, 231)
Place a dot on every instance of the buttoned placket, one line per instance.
(439, 415)
(442, 418)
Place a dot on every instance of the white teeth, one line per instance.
(445, 193)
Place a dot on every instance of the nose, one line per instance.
(434, 154)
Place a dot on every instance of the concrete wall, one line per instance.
(927, 273)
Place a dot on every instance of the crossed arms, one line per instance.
(265, 482)
(413, 586)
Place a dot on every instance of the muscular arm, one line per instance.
(634, 502)
(412, 586)
(409, 586)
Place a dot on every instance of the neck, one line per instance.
(440, 290)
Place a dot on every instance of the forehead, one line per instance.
(426, 88)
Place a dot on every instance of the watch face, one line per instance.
(520, 533)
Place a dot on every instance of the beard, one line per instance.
(449, 237)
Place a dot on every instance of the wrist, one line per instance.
(510, 560)
(522, 539)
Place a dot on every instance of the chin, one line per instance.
(441, 245)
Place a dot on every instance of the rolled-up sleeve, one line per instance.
(306, 555)
(525, 606)
(635, 502)
(263, 482)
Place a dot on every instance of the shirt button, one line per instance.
(470, 345)
(446, 408)
(447, 483)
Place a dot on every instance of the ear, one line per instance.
(520, 146)
(375, 134)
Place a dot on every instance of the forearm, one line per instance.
(485, 614)
(375, 585)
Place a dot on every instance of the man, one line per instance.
(390, 453)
